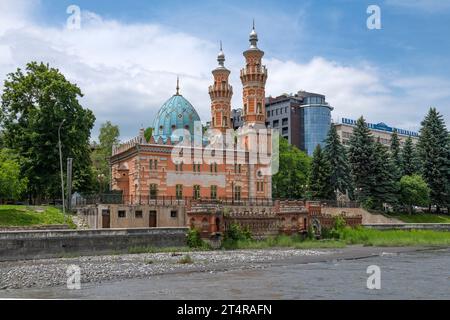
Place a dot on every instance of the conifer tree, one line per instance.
(434, 153)
(385, 189)
(362, 160)
(336, 155)
(319, 177)
(409, 158)
(396, 156)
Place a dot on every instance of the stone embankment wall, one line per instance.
(23, 245)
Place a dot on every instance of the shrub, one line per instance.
(186, 259)
(193, 239)
(235, 234)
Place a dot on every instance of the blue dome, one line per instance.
(175, 113)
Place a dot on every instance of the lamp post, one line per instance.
(61, 166)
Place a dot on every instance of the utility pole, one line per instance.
(61, 167)
(69, 184)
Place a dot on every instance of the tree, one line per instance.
(12, 184)
(433, 149)
(396, 156)
(34, 103)
(385, 188)
(291, 179)
(414, 191)
(319, 176)
(409, 158)
(148, 133)
(362, 160)
(108, 137)
(336, 155)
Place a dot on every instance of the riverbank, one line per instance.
(100, 269)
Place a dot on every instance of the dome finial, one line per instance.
(221, 56)
(253, 37)
(178, 86)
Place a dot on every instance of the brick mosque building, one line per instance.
(180, 178)
(144, 169)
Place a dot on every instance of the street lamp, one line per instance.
(61, 166)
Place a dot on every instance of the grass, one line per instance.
(186, 259)
(422, 218)
(23, 216)
(385, 238)
(150, 249)
(349, 236)
(284, 241)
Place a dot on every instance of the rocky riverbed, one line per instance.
(53, 272)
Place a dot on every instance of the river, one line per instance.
(407, 275)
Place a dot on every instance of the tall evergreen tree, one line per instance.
(434, 154)
(361, 157)
(396, 156)
(336, 155)
(409, 158)
(385, 189)
(319, 177)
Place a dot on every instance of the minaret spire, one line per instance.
(178, 86)
(253, 37)
(221, 56)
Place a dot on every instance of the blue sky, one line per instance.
(391, 75)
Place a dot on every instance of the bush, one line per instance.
(186, 260)
(234, 234)
(194, 240)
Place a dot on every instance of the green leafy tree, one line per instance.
(336, 155)
(396, 156)
(292, 177)
(385, 188)
(319, 176)
(108, 137)
(414, 191)
(34, 103)
(148, 133)
(433, 147)
(410, 158)
(12, 184)
(361, 154)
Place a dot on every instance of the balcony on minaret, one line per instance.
(254, 71)
(220, 90)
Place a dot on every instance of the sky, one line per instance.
(126, 55)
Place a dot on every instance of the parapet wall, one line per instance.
(24, 245)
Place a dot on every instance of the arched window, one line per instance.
(205, 224)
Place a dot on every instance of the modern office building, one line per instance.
(379, 131)
(303, 118)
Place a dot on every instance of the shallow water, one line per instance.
(413, 275)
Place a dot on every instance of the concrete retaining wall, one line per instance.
(409, 226)
(23, 245)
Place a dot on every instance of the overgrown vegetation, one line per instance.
(371, 237)
(195, 241)
(235, 234)
(18, 216)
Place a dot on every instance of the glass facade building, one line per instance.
(316, 122)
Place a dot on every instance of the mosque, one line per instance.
(179, 177)
(146, 169)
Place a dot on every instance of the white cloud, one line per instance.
(363, 90)
(127, 71)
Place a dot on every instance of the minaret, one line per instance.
(253, 78)
(221, 93)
